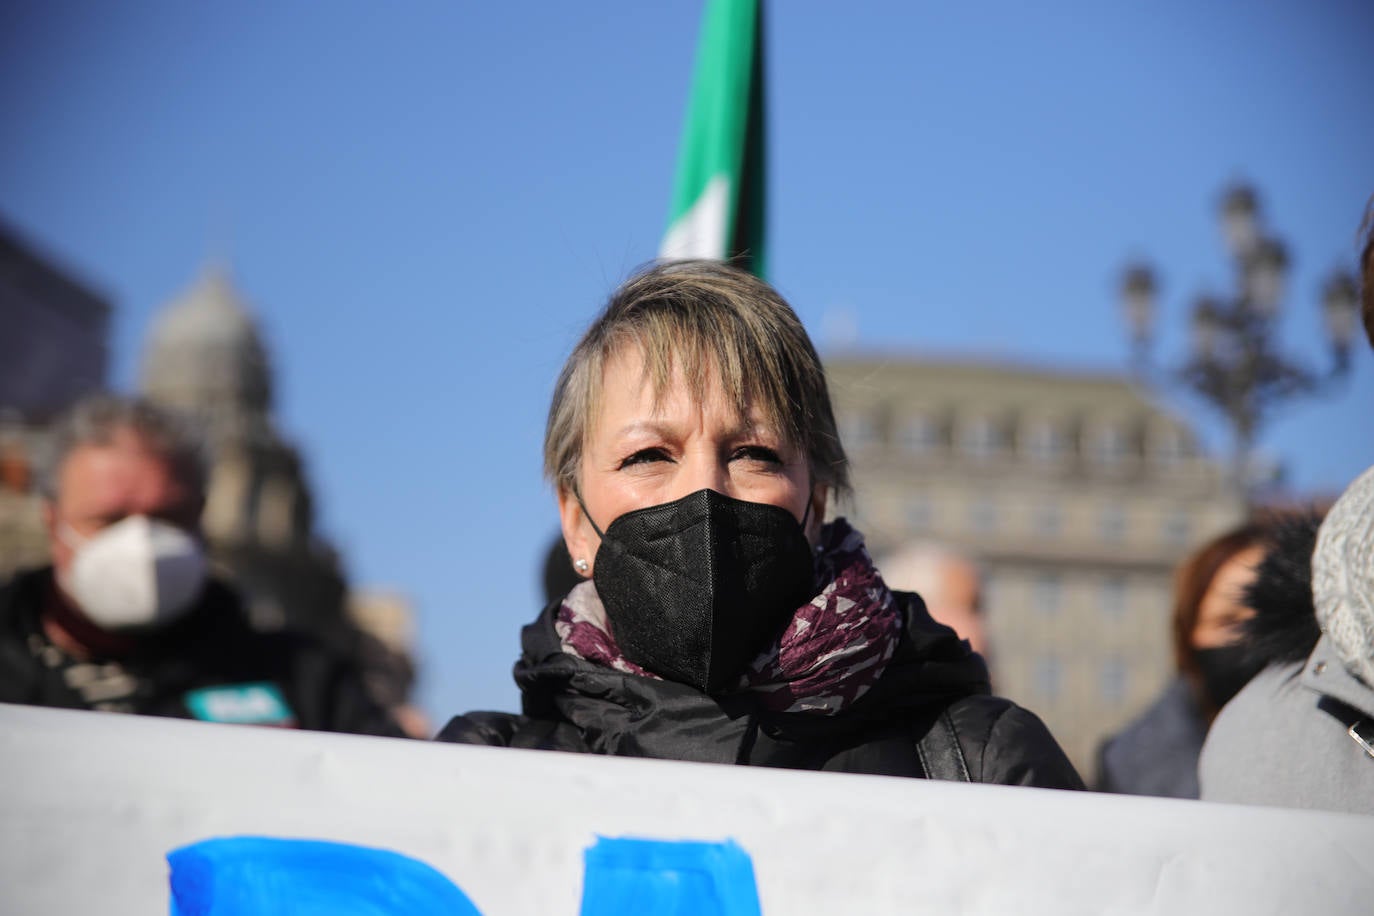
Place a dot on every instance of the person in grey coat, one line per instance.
(1301, 734)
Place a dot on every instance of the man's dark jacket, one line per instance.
(933, 686)
(212, 646)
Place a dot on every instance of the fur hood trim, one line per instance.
(1284, 628)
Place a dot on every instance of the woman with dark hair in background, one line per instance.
(1157, 753)
(719, 618)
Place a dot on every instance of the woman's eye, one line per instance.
(758, 453)
(645, 456)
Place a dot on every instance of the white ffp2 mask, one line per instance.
(138, 572)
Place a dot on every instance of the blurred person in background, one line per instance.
(1301, 734)
(128, 617)
(1157, 753)
(948, 582)
(693, 449)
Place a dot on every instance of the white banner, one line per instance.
(92, 803)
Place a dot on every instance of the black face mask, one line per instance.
(1225, 670)
(696, 588)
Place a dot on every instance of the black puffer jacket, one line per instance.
(932, 685)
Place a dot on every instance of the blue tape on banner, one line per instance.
(667, 878)
(261, 876)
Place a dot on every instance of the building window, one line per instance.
(992, 591)
(1109, 446)
(859, 431)
(920, 514)
(982, 516)
(1178, 529)
(1112, 681)
(1113, 597)
(1046, 443)
(981, 438)
(1047, 520)
(1111, 523)
(1047, 676)
(920, 435)
(1170, 448)
(1046, 594)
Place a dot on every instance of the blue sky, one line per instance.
(425, 203)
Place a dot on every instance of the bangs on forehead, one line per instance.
(711, 322)
(711, 348)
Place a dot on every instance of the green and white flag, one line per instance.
(718, 195)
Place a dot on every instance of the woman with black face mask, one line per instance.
(1157, 754)
(720, 618)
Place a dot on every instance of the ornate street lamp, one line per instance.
(1235, 364)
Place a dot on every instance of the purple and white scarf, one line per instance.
(831, 652)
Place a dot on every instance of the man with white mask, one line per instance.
(128, 618)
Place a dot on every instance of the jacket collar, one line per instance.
(628, 715)
(218, 607)
(1325, 674)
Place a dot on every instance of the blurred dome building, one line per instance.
(205, 353)
(207, 360)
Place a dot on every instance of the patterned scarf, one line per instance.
(831, 652)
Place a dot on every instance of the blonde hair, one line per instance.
(701, 317)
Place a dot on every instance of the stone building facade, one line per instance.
(1076, 495)
(53, 332)
(206, 360)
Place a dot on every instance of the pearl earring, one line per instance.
(581, 565)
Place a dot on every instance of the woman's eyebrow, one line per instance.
(742, 427)
(655, 428)
(752, 427)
